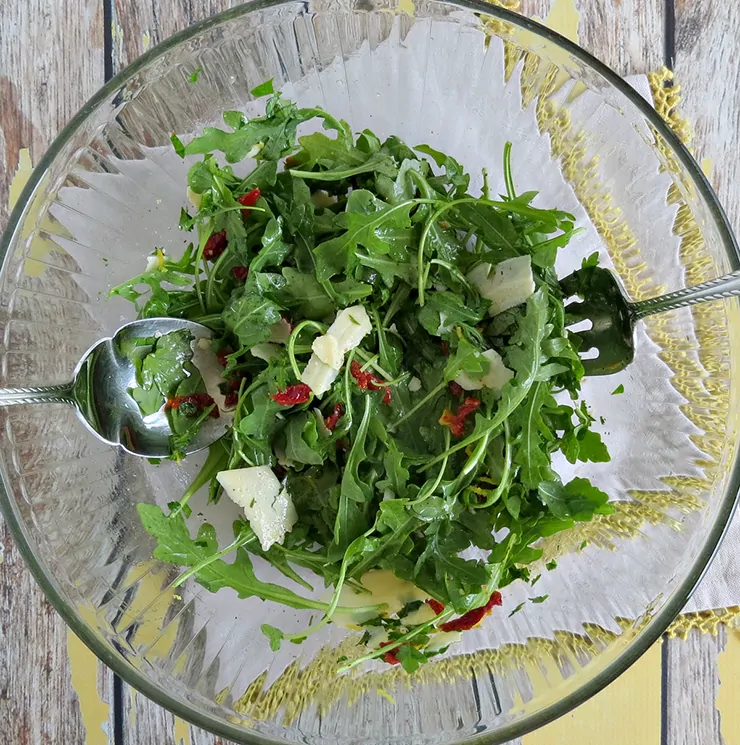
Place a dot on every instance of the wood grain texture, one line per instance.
(707, 49)
(628, 35)
(691, 688)
(141, 24)
(149, 724)
(51, 61)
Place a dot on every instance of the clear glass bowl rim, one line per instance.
(642, 641)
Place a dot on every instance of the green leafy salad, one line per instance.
(391, 350)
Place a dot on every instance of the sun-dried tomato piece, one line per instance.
(455, 389)
(231, 399)
(223, 354)
(215, 245)
(390, 657)
(473, 617)
(369, 382)
(192, 405)
(331, 421)
(249, 200)
(240, 272)
(456, 422)
(445, 348)
(292, 395)
(435, 605)
(362, 377)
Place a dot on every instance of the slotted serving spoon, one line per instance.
(99, 392)
(614, 316)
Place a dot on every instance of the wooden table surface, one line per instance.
(54, 54)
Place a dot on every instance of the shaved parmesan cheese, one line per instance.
(496, 376)
(318, 376)
(193, 198)
(265, 351)
(210, 370)
(267, 505)
(506, 285)
(327, 349)
(280, 332)
(155, 262)
(350, 327)
(443, 639)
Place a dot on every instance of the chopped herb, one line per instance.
(619, 389)
(194, 75)
(178, 145)
(517, 609)
(264, 89)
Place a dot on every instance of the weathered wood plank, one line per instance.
(706, 67)
(51, 61)
(691, 689)
(139, 25)
(149, 724)
(628, 35)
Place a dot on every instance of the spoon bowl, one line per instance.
(100, 387)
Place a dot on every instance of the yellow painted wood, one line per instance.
(181, 732)
(728, 664)
(625, 713)
(95, 713)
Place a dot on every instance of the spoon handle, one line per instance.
(714, 289)
(50, 394)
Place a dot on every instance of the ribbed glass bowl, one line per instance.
(465, 78)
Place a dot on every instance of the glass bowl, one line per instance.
(464, 77)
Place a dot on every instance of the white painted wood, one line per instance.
(690, 689)
(625, 34)
(707, 48)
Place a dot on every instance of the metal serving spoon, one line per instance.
(614, 316)
(99, 392)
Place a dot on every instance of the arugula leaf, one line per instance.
(274, 250)
(270, 136)
(376, 163)
(161, 369)
(443, 311)
(175, 545)
(468, 359)
(410, 657)
(250, 316)
(301, 440)
(369, 222)
(355, 494)
(579, 499)
(454, 177)
(263, 89)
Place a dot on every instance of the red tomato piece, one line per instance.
(249, 200)
(331, 421)
(435, 605)
(292, 395)
(215, 245)
(473, 617)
